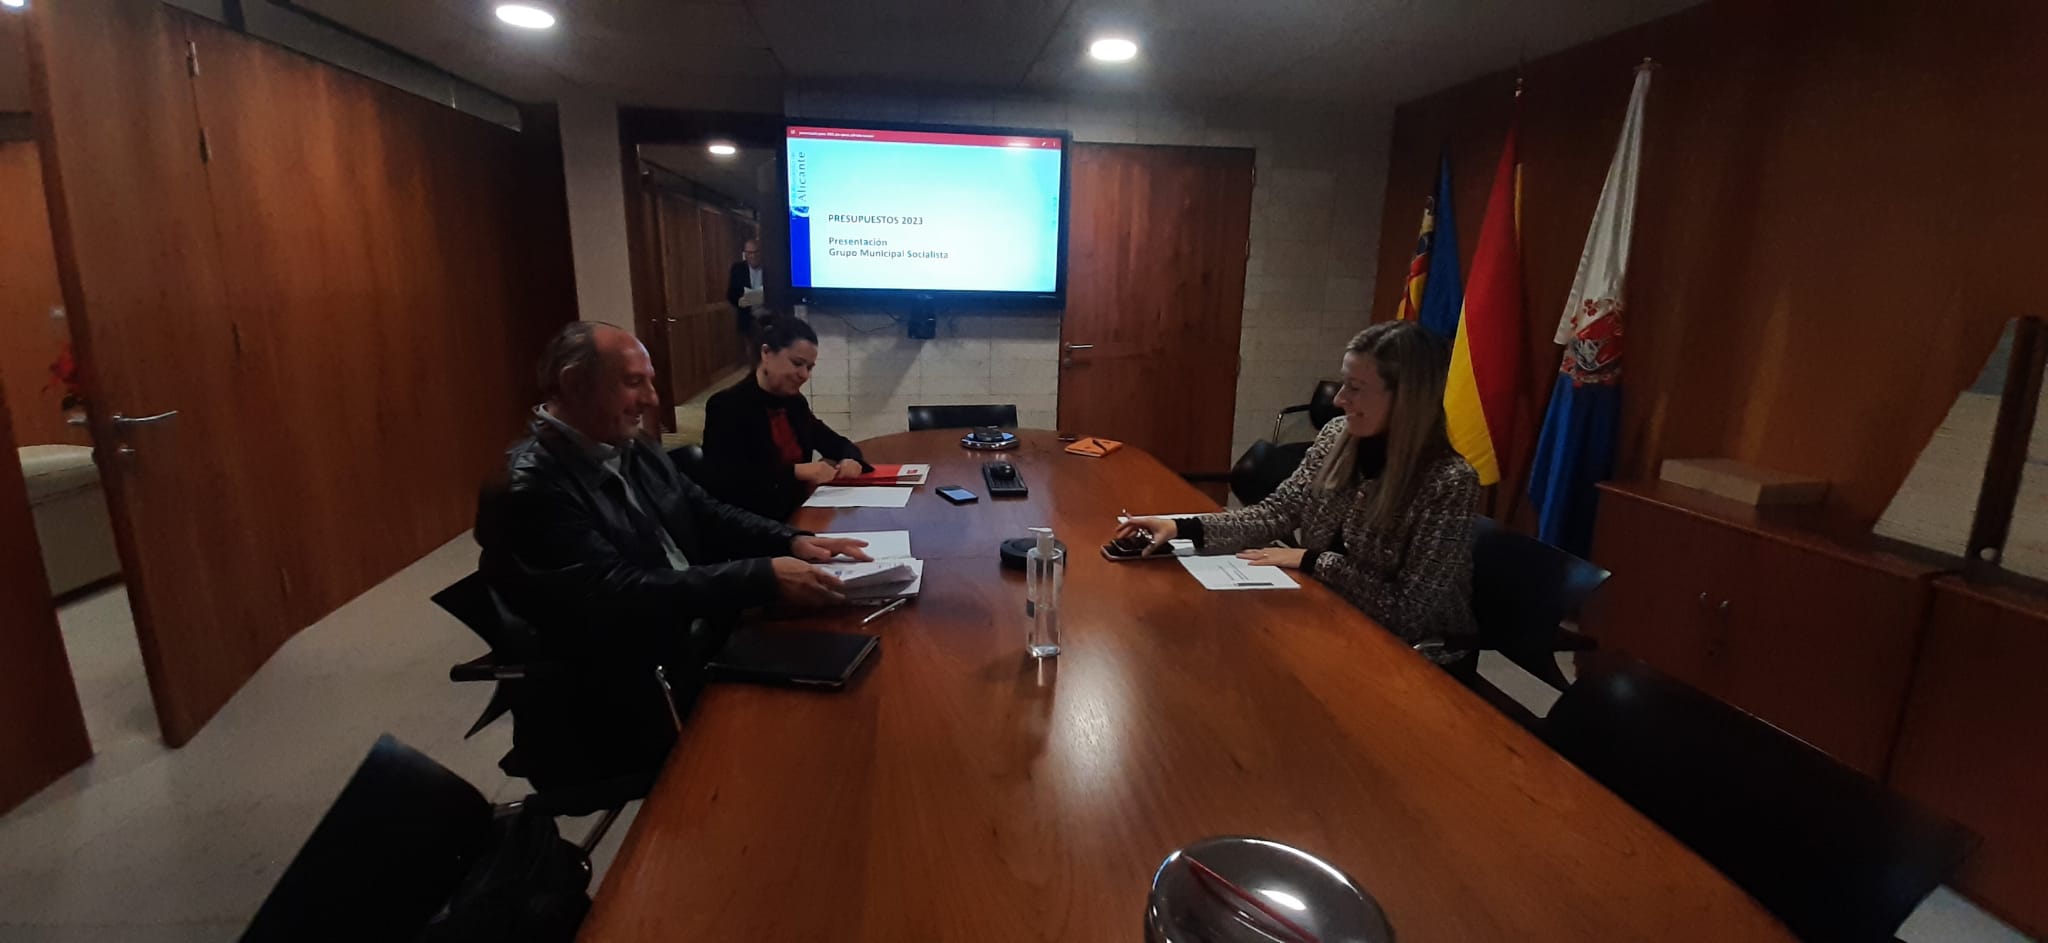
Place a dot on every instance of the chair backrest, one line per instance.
(1322, 407)
(1833, 854)
(1261, 469)
(1522, 587)
(472, 601)
(962, 417)
(386, 856)
(689, 459)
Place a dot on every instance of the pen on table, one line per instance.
(885, 610)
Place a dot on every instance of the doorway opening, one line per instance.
(39, 371)
(703, 206)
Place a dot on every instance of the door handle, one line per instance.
(125, 421)
(1079, 346)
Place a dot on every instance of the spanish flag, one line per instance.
(1486, 358)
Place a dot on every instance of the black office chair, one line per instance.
(689, 459)
(962, 417)
(1833, 854)
(403, 840)
(1261, 469)
(1321, 408)
(515, 666)
(1522, 592)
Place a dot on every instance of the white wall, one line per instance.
(1315, 233)
(595, 183)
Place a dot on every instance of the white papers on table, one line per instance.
(834, 496)
(889, 548)
(876, 573)
(752, 297)
(881, 544)
(883, 592)
(1227, 572)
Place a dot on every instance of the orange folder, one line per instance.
(1093, 447)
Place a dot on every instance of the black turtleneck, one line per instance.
(1372, 458)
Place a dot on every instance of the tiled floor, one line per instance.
(145, 844)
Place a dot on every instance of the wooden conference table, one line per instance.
(960, 791)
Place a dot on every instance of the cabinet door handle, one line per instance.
(1703, 602)
(1722, 608)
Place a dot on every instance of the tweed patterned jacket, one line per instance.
(1414, 578)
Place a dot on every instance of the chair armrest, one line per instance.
(1281, 417)
(1461, 643)
(483, 668)
(1570, 641)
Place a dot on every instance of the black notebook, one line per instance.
(801, 657)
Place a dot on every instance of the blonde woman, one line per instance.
(1380, 509)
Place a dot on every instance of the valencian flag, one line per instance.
(1434, 290)
(1486, 357)
(1577, 448)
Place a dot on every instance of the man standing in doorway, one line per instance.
(743, 289)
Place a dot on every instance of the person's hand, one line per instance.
(1163, 529)
(1289, 557)
(801, 584)
(849, 468)
(816, 473)
(823, 549)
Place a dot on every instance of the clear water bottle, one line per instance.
(1045, 569)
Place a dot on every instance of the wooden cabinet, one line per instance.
(1765, 611)
(1971, 745)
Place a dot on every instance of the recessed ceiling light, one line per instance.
(723, 150)
(1113, 50)
(525, 17)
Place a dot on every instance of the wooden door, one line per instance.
(142, 278)
(42, 730)
(1155, 292)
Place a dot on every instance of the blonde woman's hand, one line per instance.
(1163, 529)
(1289, 557)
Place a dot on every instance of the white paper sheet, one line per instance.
(1228, 572)
(882, 544)
(887, 591)
(834, 496)
(863, 575)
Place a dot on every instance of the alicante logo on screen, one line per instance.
(800, 186)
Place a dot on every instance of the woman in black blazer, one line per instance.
(760, 433)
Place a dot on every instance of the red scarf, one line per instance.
(787, 448)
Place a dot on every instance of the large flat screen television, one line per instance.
(882, 213)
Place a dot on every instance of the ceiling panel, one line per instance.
(742, 53)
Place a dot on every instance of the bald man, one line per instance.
(596, 540)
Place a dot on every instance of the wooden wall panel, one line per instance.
(29, 338)
(696, 243)
(42, 730)
(1838, 212)
(1971, 746)
(377, 239)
